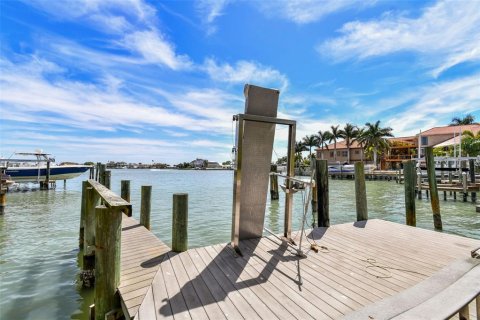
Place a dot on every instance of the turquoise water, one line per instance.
(39, 230)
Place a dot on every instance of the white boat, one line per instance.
(20, 173)
(349, 168)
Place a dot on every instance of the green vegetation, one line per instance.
(372, 138)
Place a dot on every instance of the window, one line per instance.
(357, 151)
(344, 153)
(331, 154)
(424, 141)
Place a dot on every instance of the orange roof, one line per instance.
(343, 145)
(451, 129)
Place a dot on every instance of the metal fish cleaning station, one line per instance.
(366, 269)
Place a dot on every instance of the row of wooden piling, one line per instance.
(100, 234)
(320, 202)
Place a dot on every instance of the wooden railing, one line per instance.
(100, 237)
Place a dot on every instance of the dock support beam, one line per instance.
(409, 184)
(89, 229)
(3, 200)
(321, 182)
(471, 164)
(464, 186)
(125, 194)
(432, 183)
(83, 205)
(108, 231)
(360, 192)
(107, 177)
(145, 206)
(180, 222)
(450, 174)
(419, 184)
(125, 190)
(274, 188)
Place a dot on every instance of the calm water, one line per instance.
(39, 231)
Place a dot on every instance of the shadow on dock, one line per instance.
(227, 268)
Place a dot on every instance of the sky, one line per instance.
(143, 81)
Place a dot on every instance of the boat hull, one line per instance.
(35, 174)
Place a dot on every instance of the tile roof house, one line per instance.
(402, 148)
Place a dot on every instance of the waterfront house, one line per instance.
(401, 148)
(328, 153)
(445, 136)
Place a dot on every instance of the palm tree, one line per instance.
(375, 138)
(335, 134)
(468, 119)
(322, 139)
(310, 141)
(349, 133)
(299, 148)
(360, 138)
(468, 133)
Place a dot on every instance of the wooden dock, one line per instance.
(357, 264)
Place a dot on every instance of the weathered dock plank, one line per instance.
(141, 254)
(357, 264)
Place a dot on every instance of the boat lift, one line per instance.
(255, 131)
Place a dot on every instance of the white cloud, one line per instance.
(154, 48)
(111, 15)
(445, 34)
(245, 72)
(437, 104)
(132, 23)
(307, 11)
(209, 10)
(28, 96)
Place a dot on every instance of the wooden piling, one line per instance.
(419, 184)
(145, 206)
(314, 191)
(360, 192)
(321, 181)
(97, 172)
(274, 187)
(108, 232)
(125, 190)
(180, 222)
(464, 186)
(107, 175)
(444, 195)
(432, 183)
(450, 174)
(92, 173)
(89, 229)
(471, 164)
(82, 214)
(409, 184)
(3, 200)
(46, 183)
(101, 173)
